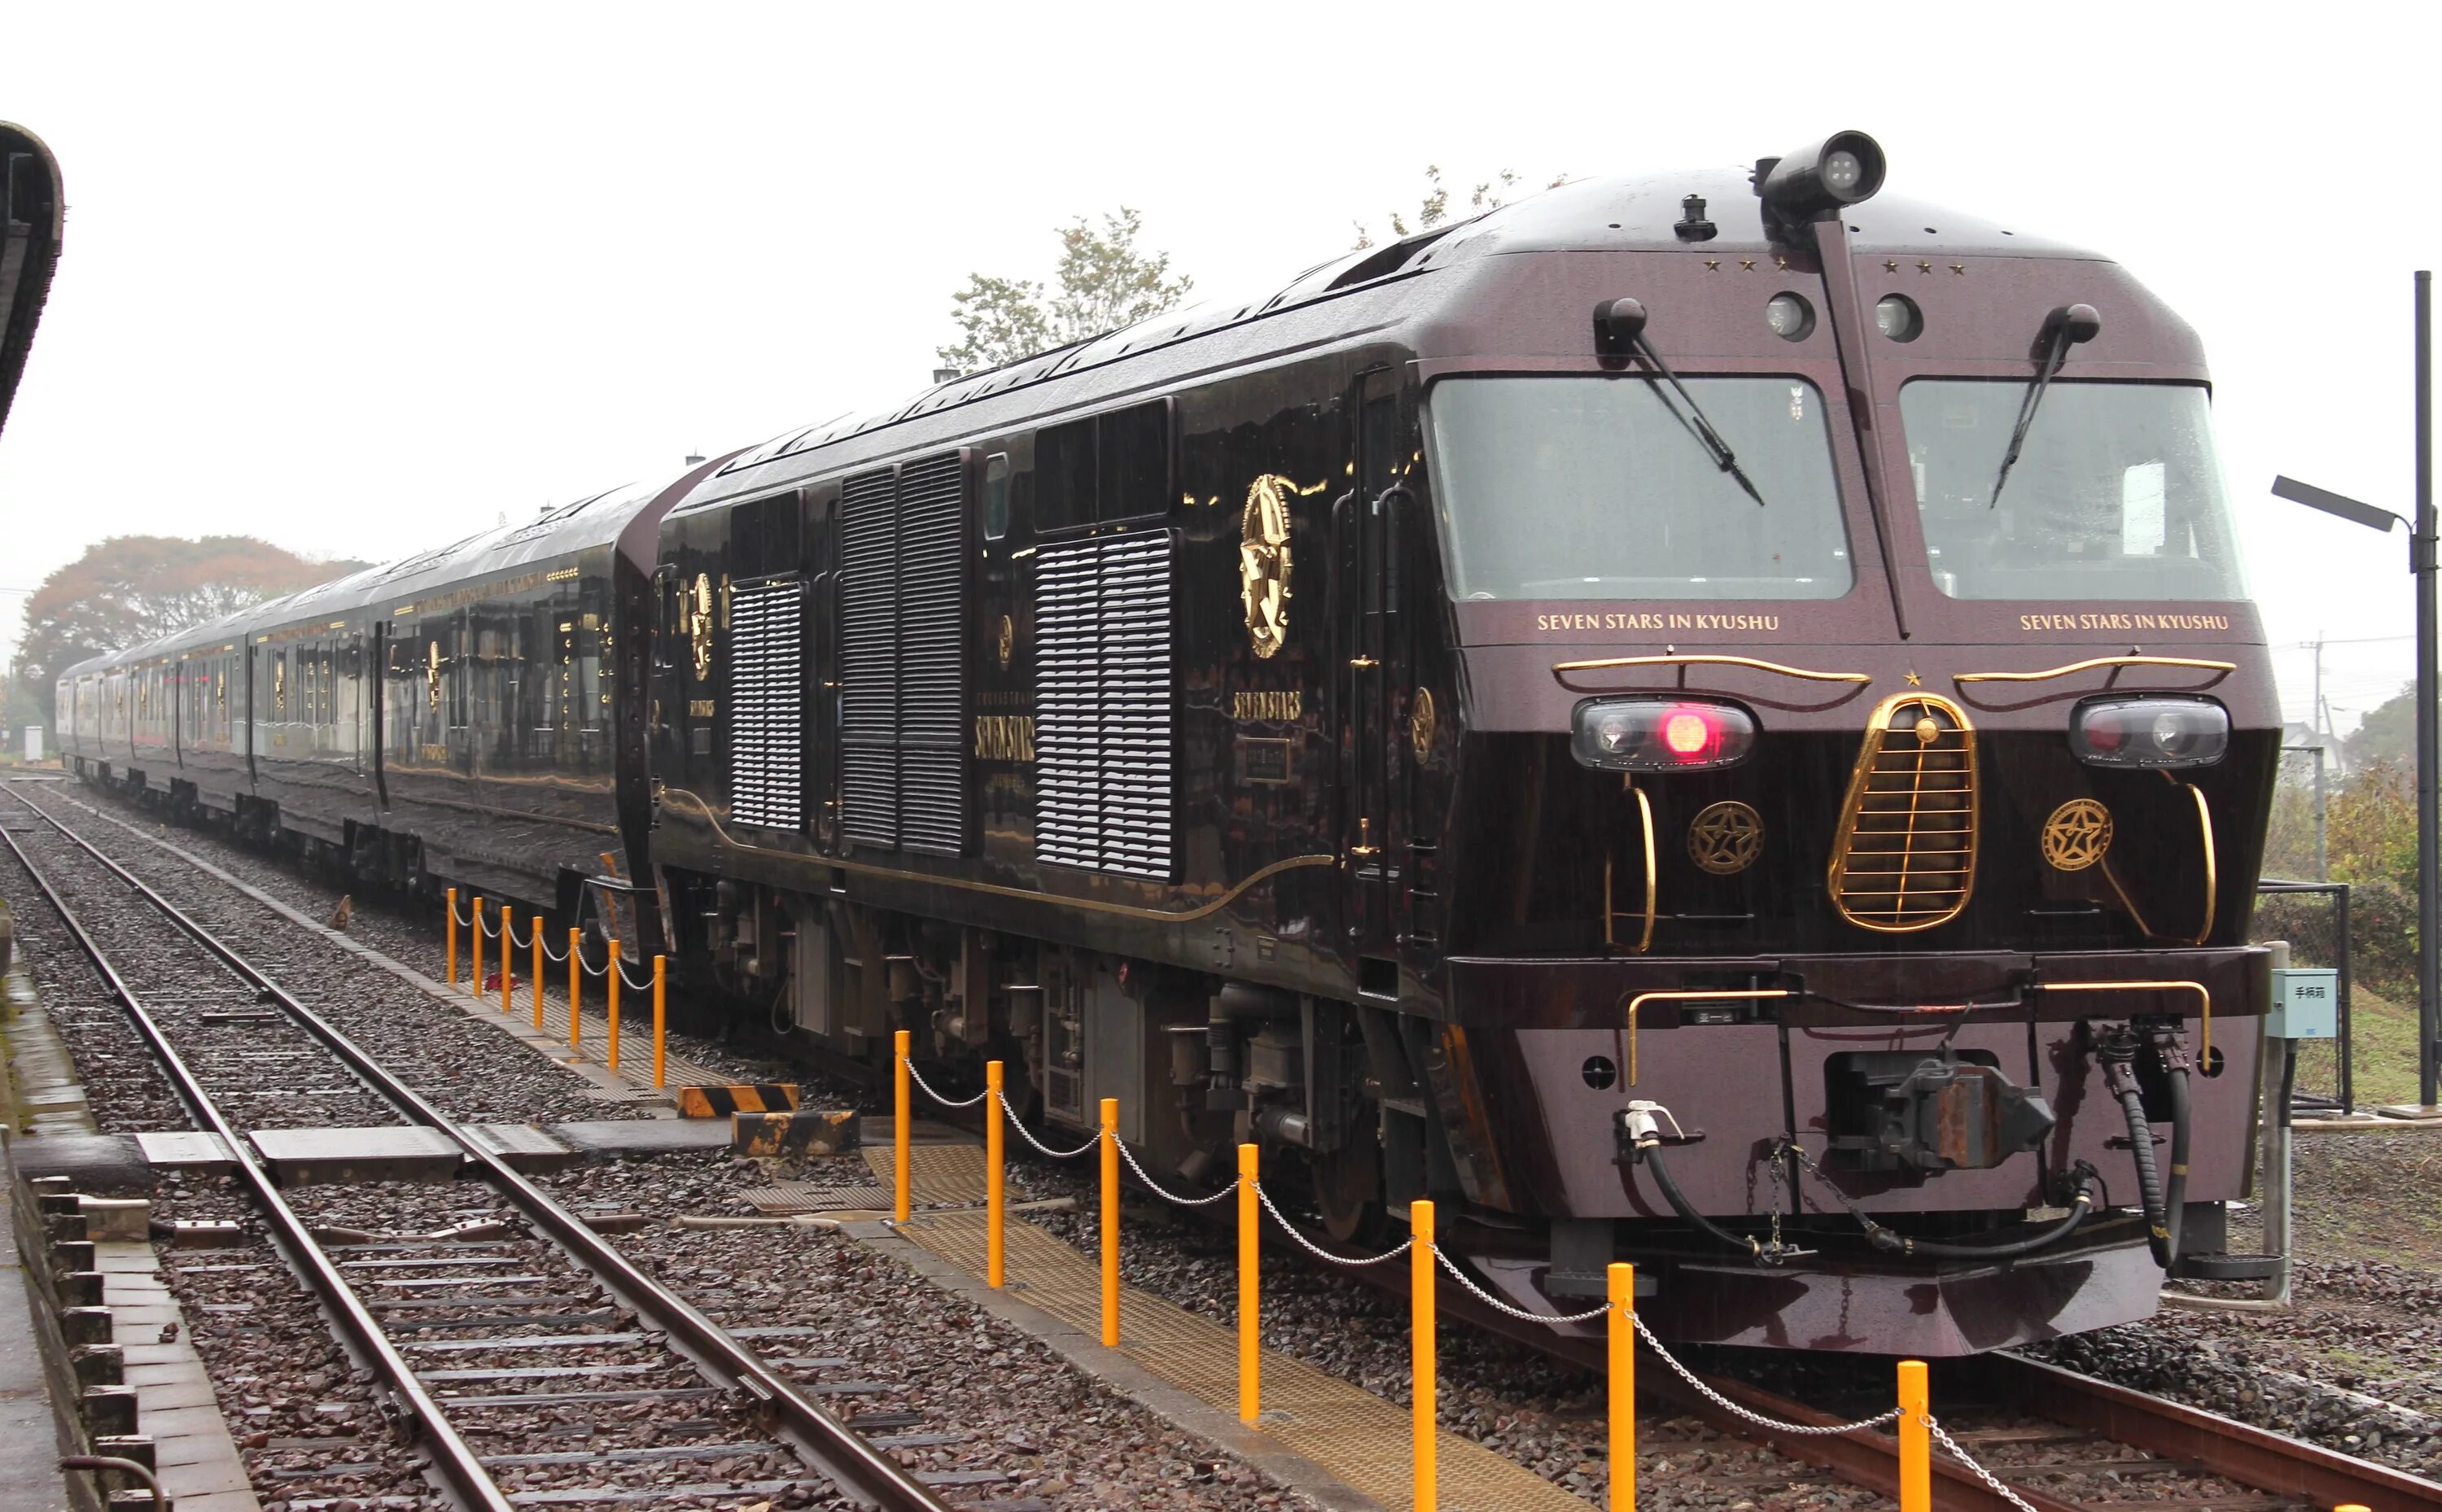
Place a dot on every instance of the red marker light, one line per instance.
(1688, 733)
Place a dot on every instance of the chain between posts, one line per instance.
(1944, 1438)
(917, 1077)
(1027, 1136)
(1450, 1266)
(633, 985)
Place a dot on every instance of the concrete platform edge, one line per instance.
(1177, 1407)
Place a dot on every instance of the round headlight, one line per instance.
(1897, 316)
(1790, 318)
(1841, 172)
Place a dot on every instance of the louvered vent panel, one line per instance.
(1136, 705)
(1068, 740)
(931, 662)
(1906, 856)
(1102, 716)
(870, 659)
(767, 705)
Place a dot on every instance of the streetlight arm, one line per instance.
(2341, 504)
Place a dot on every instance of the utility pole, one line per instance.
(2429, 721)
(2421, 562)
(2323, 744)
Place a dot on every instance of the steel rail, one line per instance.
(2172, 1432)
(410, 1406)
(2241, 1451)
(826, 1443)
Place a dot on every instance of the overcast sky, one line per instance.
(362, 279)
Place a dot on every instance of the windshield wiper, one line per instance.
(2068, 324)
(1694, 419)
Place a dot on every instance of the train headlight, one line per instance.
(1661, 735)
(1841, 170)
(2149, 733)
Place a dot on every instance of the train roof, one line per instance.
(1591, 214)
(595, 520)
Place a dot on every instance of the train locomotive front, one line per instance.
(1708, 720)
(1868, 754)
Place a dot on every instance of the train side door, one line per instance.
(823, 674)
(1368, 527)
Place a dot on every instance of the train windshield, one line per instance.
(1601, 488)
(2116, 493)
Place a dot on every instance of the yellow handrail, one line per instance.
(2204, 1003)
(1747, 995)
(2090, 664)
(1559, 668)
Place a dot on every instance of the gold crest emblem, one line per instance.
(1421, 720)
(1725, 838)
(1007, 640)
(432, 673)
(700, 625)
(2077, 835)
(1263, 562)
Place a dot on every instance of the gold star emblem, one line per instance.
(1925, 267)
(1781, 262)
(1746, 265)
(1890, 264)
(1914, 681)
(1712, 265)
(2077, 835)
(1958, 267)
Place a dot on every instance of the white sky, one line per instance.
(359, 278)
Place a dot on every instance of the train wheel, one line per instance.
(1348, 1186)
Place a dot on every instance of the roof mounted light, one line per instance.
(1814, 182)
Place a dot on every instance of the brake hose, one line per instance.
(1652, 1154)
(2079, 1206)
(2175, 1196)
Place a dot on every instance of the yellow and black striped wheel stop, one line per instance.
(721, 1101)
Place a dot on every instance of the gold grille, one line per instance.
(1905, 855)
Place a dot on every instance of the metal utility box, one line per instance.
(2305, 1003)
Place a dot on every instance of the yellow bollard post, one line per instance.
(535, 974)
(661, 1011)
(475, 973)
(1916, 1444)
(1110, 1223)
(1425, 1418)
(450, 929)
(508, 942)
(1250, 1290)
(1623, 1388)
(898, 1132)
(996, 1195)
(575, 985)
(613, 1061)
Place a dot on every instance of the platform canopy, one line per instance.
(30, 209)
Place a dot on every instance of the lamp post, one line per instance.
(2429, 740)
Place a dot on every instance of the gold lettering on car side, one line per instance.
(1004, 737)
(1268, 707)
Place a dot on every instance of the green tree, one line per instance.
(2389, 732)
(2370, 826)
(130, 588)
(1103, 281)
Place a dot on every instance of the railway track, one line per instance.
(2057, 1440)
(469, 1330)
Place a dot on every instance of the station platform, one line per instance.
(1341, 1444)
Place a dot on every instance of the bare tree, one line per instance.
(1434, 207)
(1103, 281)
